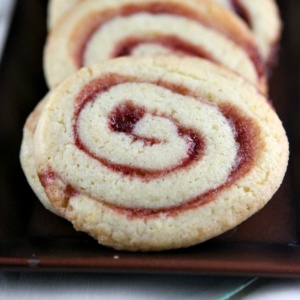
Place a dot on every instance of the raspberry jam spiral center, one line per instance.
(123, 120)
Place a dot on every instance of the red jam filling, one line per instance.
(241, 11)
(83, 34)
(124, 118)
(177, 45)
(47, 178)
(70, 192)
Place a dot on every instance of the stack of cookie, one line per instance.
(157, 132)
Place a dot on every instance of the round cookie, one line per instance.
(262, 16)
(156, 153)
(90, 33)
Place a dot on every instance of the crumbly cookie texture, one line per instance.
(27, 156)
(156, 153)
(90, 33)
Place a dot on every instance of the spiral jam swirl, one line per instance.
(154, 27)
(153, 146)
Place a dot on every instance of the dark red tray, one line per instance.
(31, 238)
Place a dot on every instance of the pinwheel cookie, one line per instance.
(99, 30)
(156, 153)
(262, 16)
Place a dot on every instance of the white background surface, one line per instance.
(113, 286)
(59, 286)
(124, 286)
